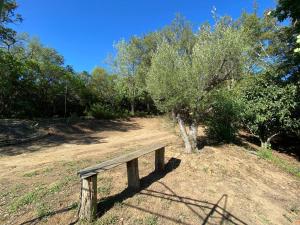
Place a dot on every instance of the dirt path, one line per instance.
(139, 132)
(222, 184)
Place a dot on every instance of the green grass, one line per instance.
(107, 220)
(151, 220)
(28, 198)
(37, 195)
(105, 186)
(43, 210)
(267, 154)
(105, 189)
(58, 186)
(31, 174)
(38, 172)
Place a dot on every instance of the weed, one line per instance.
(38, 172)
(74, 205)
(295, 209)
(47, 170)
(118, 205)
(13, 192)
(104, 189)
(43, 210)
(283, 164)
(31, 174)
(30, 197)
(151, 220)
(107, 220)
(138, 221)
(264, 153)
(56, 187)
(205, 169)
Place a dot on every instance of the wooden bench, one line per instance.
(88, 207)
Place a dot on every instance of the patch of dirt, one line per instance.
(219, 185)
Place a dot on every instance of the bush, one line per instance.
(106, 112)
(222, 120)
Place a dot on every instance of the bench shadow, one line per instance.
(107, 203)
(204, 210)
(38, 219)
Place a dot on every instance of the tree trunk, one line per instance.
(148, 107)
(173, 116)
(193, 133)
(264, 145)
(267, 144)
(188, 146)
(132, 108)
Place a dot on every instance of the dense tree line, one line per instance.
(227, 75)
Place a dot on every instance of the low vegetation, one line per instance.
(267, 154)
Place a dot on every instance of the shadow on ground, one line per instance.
(208, 210)
(289, 145)
(38, 219)
(79, 132)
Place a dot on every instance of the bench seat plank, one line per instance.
(109, 164)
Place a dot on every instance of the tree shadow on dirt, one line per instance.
(38, 219)
(289, 145)
(81, 132)
(205, 211)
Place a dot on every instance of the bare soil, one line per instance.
(223, 184)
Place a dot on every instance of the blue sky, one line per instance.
(84, 31)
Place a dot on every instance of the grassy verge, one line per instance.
(267, 154)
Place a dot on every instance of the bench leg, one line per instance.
(133, 174)
(160, 159)
(88, 209)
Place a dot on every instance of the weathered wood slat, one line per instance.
(109, 164)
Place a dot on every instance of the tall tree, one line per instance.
(179, 80)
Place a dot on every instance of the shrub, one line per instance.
(100, 111)
(222, 120)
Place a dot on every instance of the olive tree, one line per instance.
(178, 81)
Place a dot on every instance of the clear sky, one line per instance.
(84, 31)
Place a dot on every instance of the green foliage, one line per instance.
(222, 121)
(268, 104)
(179, 80)
(8, 16)
(100, 111)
